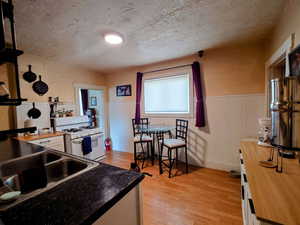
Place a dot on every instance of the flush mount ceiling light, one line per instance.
(113, 38)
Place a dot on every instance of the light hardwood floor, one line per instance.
(202, 197)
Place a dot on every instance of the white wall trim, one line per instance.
(171, 73)
(78, 86)
(230, 118)
(281, 53)
(221, 166)
(284, 49)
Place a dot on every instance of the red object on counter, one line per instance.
(107, 144)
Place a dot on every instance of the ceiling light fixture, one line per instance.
(113, 38)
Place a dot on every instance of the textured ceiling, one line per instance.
(154, 30)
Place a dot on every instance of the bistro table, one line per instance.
(153, 130)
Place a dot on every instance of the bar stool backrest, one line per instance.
(182, 129)
(144, 124)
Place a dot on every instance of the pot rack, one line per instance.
(10, 54)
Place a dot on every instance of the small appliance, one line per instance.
(265, 131)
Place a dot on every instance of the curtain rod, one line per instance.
(168, 68)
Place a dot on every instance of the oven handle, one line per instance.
(79, 140)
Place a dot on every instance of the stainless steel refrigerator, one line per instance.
(285, 112)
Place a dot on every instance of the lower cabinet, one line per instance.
(56, 143)
(127, 211)
(248, 207)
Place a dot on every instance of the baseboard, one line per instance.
(221, 166)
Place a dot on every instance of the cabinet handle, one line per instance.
(245, 178)
(251, 206)
(242, 161)
(243, 193)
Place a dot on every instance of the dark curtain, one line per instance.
(139, 77)
(200, 119)
(84, 100)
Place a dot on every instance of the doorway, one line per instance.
(90, 101)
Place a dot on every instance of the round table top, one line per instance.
(155, 128)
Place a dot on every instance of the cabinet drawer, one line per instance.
(56, 143)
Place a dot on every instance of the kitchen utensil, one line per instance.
(34, 113)
(4, 93)
(29, 76)
(40, 87)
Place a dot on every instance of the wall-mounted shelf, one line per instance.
(9, 55)
(18, 131)
(13, 102)
(4, 134)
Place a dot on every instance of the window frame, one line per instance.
(165, 74)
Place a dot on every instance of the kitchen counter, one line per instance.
(39, 136)
(80, 200)
(276, 196)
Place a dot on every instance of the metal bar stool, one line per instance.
(171, 144)
(141, 137)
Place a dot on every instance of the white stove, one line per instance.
(75, 129)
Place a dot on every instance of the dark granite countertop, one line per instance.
(80, 200)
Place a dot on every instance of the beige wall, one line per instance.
(288, 23)
(234, 85)
(59, 77)
(226, 71)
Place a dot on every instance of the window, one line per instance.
(167, 95)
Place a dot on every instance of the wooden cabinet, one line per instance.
(56, 143)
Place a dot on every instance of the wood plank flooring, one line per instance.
(202, 197)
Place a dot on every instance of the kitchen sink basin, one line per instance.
(64, 168)
(50, 157)
(26, 163)
(39, 172)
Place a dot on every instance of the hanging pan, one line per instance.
(29, 76)
(40, 87)
(34, 113)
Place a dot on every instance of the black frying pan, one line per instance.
(40, 87)
(29, 76)
(34, 113)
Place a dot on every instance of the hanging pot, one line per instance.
(40, 87)
(34, 113)
(29, 76)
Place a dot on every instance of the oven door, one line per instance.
(98, 151)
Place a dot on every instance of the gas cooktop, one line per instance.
(72, 130)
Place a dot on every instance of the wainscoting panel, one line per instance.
(229, 118)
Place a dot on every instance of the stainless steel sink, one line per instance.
(63, 168)
(37, 173)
